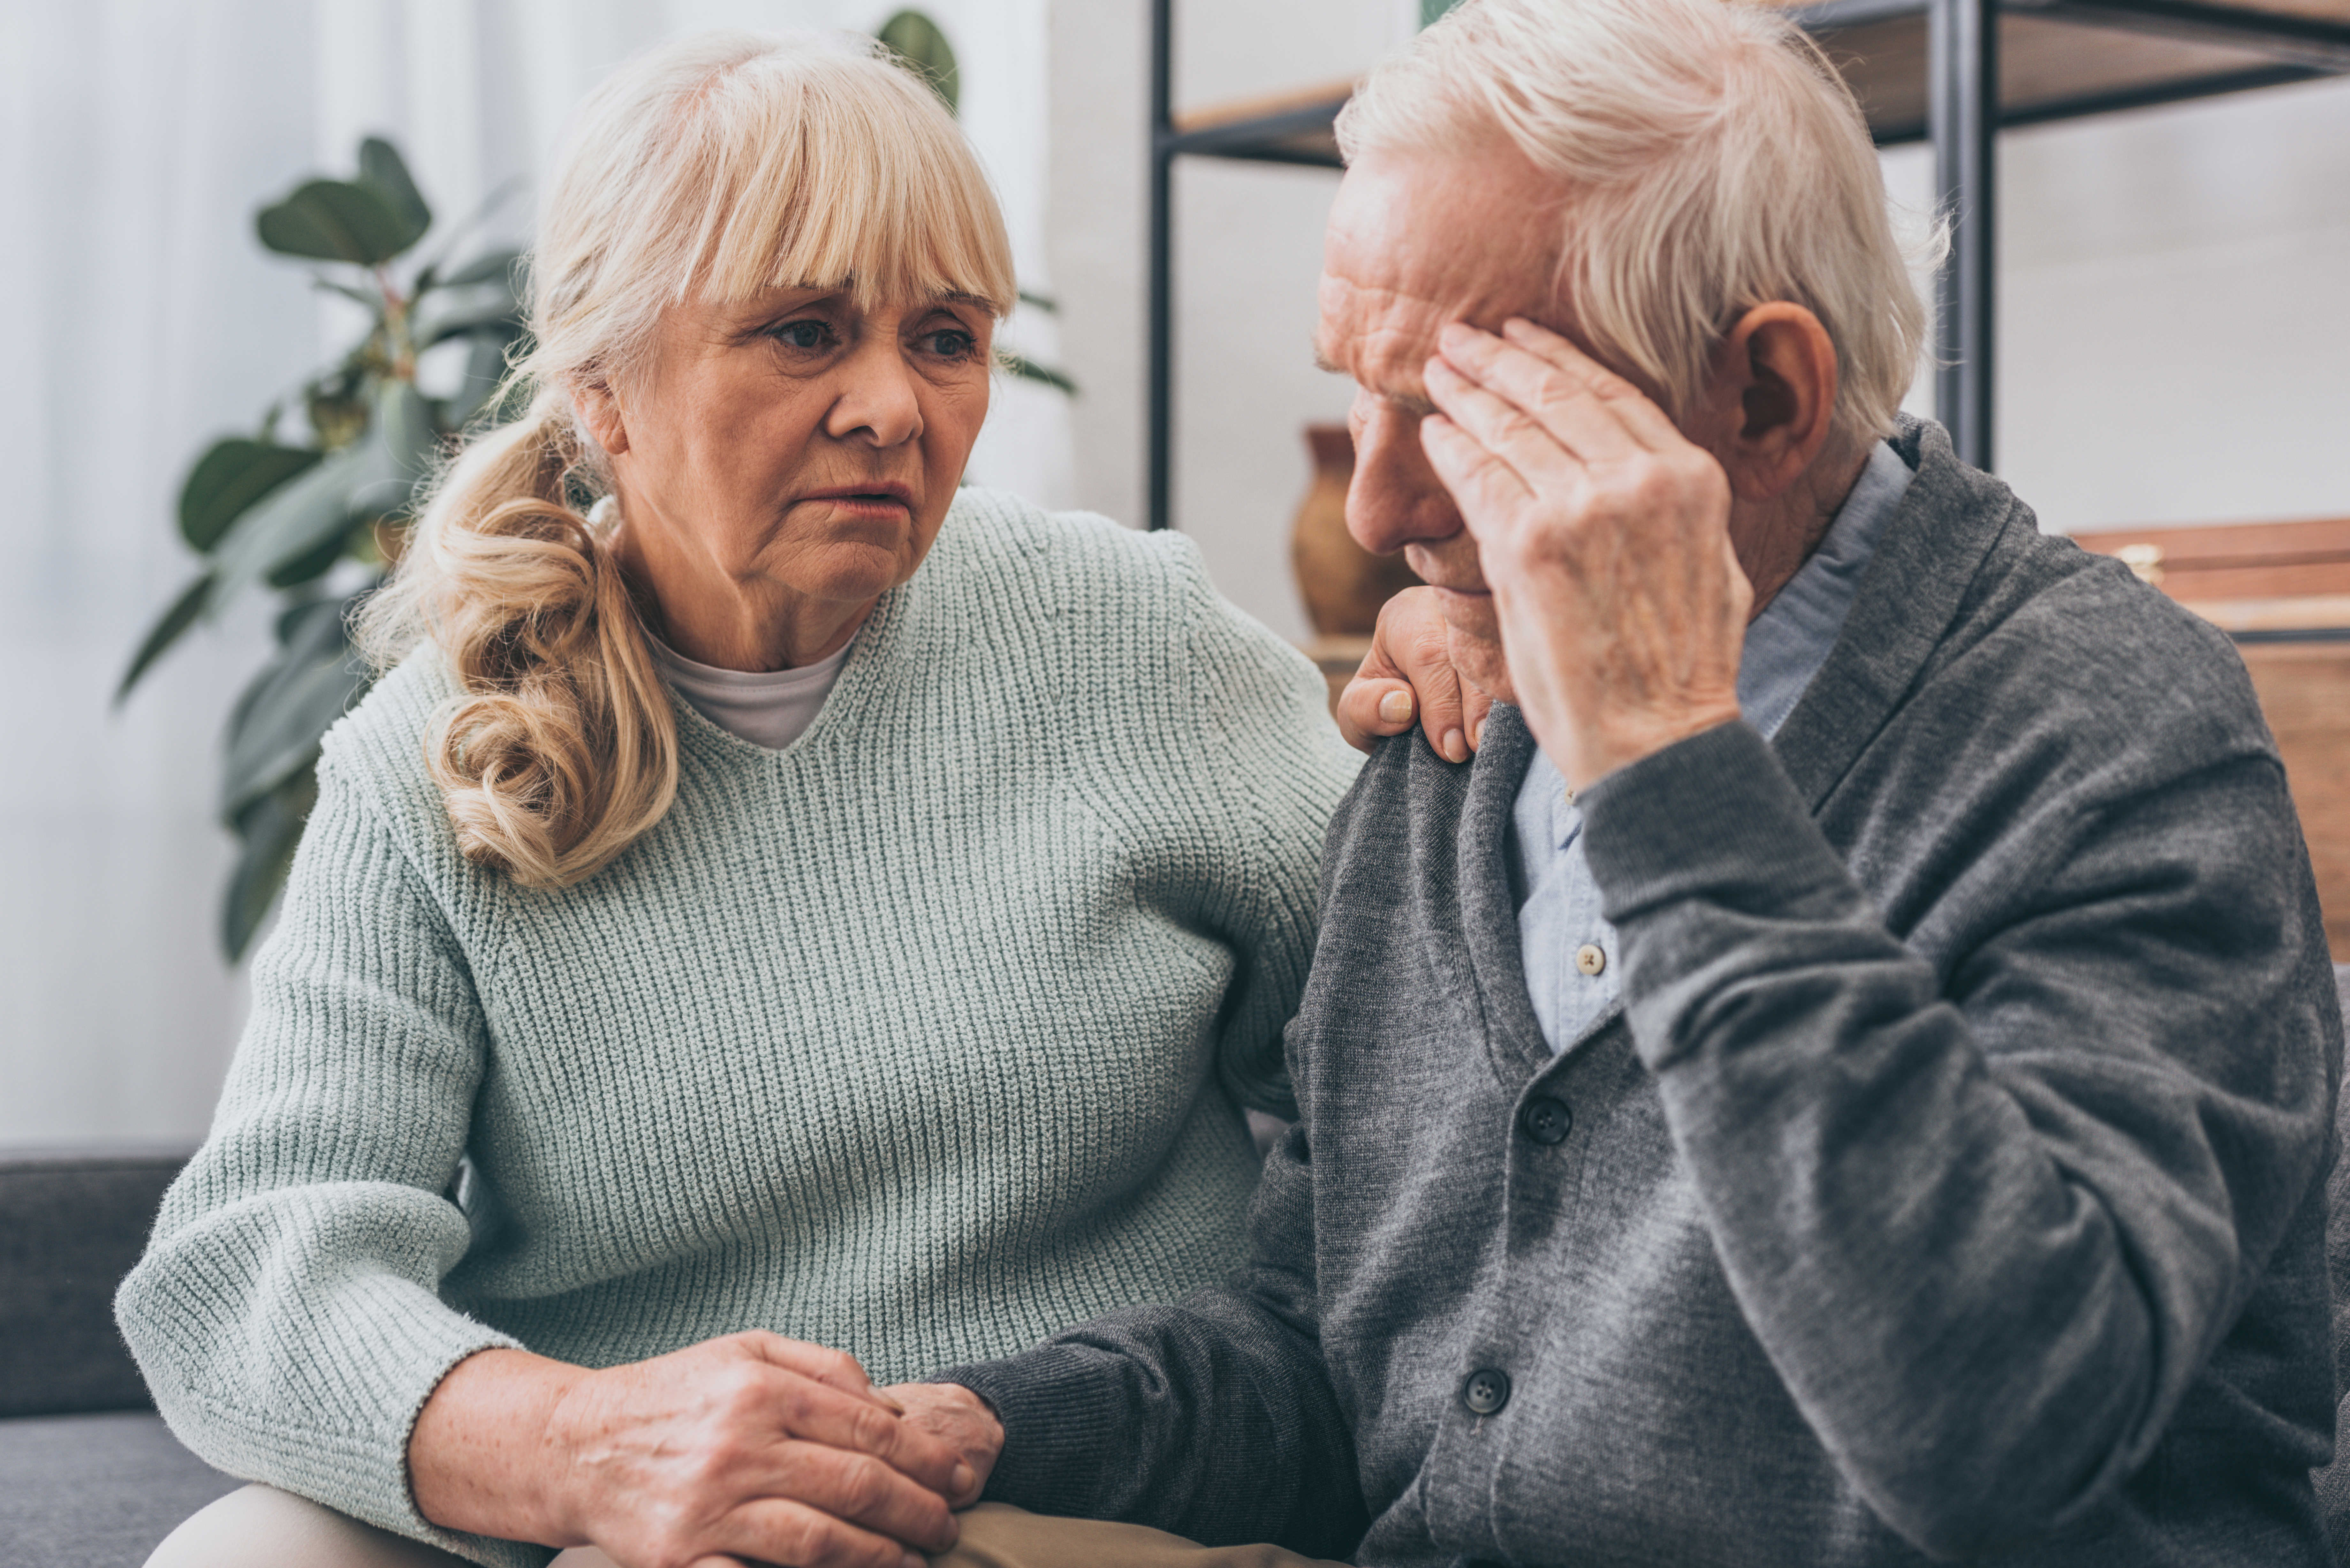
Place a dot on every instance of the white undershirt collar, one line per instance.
(766, 708)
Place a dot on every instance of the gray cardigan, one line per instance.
(1952, 1182)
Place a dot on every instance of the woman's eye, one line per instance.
(949, 344)
(806, 335)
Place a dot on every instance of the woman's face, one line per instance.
(789, 459)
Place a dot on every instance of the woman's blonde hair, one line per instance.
(1710, 160)
(713, 168)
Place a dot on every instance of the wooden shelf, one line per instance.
(1282, 127)
(2282, 591)
(1321, 96)
(2245, 577)
(2059, 59)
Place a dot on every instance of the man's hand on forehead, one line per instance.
(1604, 535)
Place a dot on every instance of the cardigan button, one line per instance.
(1546, 1120)
(1487, 1390)
(1591, 958)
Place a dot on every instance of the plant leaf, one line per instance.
(314, 624)
(501, 397)
(169, 628)
(486, 363)
(483, 268)
(293, 572)
(316, 621)
(382, 166)
(372, 299)
(271, 829)
(231, 475)
(923, 48)
(291, 523)
(460, 308)
(293, 701)
(289, 621)
(1027, 370)
(1044, 302)
(372, 477)
(334, 220)
(407, 442)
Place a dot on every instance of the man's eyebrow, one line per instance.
(1417, 408)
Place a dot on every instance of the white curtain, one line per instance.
(138, 320)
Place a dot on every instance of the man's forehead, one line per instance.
(1414, 244)
(1380, 336)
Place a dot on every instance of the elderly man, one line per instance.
(1842, 1078)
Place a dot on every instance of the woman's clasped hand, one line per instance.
(751, 1447)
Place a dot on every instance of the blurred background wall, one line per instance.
(2173, 336)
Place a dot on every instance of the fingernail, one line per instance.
(1456, 746)
(1454, 332)
(964, 1478)
(1477, 734)
(1396, 707)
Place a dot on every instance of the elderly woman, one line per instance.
(811, 904)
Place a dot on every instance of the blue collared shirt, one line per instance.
(1568, 951)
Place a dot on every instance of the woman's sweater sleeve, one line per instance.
(286, 1312)
(1277, 769)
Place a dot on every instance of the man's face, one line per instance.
(1416, 241)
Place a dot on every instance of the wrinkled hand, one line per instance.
(1603, 532)
(1408, 675)
(752, 1448)
(960, 1420)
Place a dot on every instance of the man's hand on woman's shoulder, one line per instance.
(751, 1448)
(1409, 678)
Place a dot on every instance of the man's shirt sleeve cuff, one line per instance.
(1057, 1418)
(1714, 824)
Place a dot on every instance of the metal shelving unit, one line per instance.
(1954, 72)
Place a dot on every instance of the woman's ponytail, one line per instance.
(560, 746)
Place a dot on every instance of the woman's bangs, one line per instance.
(873, 191)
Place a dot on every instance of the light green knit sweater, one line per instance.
(914, 1038)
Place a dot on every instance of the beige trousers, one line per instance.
(261, 1527)
(996, 1536)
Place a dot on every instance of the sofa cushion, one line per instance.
(2334, 1481)
(72, 1224)
(95, 1491)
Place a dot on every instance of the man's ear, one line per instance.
(1774, 392)
(599, 411)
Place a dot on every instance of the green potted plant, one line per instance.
(267, 514)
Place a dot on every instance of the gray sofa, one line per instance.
(88, 1477)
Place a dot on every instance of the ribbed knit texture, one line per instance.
(919, 1038)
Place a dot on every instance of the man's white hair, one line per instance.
(1710, 160)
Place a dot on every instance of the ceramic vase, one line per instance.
(1343, 584)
